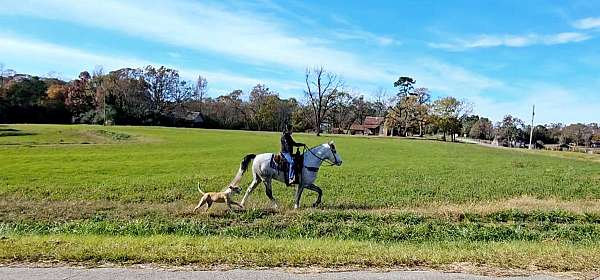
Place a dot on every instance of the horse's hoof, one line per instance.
(296, 206)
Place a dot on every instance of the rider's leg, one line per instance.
(290, 161)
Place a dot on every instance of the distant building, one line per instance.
(370, 126)
(184, 117)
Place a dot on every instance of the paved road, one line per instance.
(10, 273)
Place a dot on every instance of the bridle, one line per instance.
(329, 162)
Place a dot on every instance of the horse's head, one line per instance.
(332, 155)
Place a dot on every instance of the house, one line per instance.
(370, 126)
(183, 117)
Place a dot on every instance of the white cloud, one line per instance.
(253, 38)
(514, 41)
(19, 51)
(453, 80)
(351, 31)
(587, 23)
(553, 104)
(368, 37)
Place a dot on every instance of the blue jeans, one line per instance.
(290, 160)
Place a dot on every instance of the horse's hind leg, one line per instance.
(269, 192)
(298, 196)
(319, 192)
(253, 185)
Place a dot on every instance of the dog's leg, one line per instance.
(200, 203)
(319, 192)
(253, 185)
(208, 204)
(238, 205)
(228, 202)
(269, 192)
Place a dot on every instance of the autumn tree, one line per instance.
(421, 108)
(467, 124)
(579, 134)
(411, 110)
(482, 129)
(126, 96)
(510, 129)
(269, 112)
(342, 114)
(162, 85)
(447, 112)
(322, 88)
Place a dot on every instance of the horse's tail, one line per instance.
(243, 167)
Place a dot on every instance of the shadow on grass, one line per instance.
(14, 132)
(347, 206)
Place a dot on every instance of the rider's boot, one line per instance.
(286, 174)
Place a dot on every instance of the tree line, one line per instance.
(160, 96)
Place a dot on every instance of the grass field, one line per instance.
(118, 194)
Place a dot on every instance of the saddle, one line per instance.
(278, 162)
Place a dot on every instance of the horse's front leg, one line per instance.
(319, 192)
(298, 195)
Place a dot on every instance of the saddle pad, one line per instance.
(274, 164)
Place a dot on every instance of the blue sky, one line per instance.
(501, 56)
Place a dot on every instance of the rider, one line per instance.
(287, 148)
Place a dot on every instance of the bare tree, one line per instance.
(200, 91)
(321, 90)
(382, 102)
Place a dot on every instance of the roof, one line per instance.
(373, 122)
(357, 126)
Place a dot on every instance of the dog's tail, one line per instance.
(243, 167)
(200, 189)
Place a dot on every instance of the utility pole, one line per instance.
(531, 132)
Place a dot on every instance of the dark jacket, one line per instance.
(288, 143)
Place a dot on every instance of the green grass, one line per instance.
(377, 172)
(342, 225)
(129, 191)
(212, 251)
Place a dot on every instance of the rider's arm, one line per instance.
(296, 144)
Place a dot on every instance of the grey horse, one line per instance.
(263, 172)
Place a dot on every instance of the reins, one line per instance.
(318, 157)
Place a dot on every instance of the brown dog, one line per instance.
(218, 197)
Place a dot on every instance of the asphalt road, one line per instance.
(10, 273)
